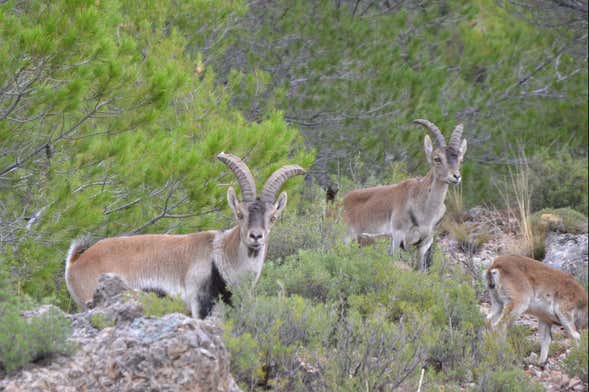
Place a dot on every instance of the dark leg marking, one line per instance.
(428, 258)
(216, 287)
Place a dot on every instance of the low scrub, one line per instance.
(28, 340)
(348, 319)
(499, 368)
(155, 305)
(316, 226)
(564, 220)
(578, 358)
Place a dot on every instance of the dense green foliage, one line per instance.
(354, 75)
(559, 181)
(345, 318)
(112, 113)
(117, 129)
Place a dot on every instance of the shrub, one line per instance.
(373, 353)
(100, 321)
(23, 341)
(469, 239)
(293, 232)
(512, 380)
(347, 317)
(559, 180)
(521, 341)
(155, 305)
(273, 332)
(499, 368)
(576, 362)
(564, 220)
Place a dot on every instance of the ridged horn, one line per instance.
(456, 137)
(440, 141)
(243, 174)
(278, 178)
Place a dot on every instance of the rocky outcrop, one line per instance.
(131, 352)
(568, 252)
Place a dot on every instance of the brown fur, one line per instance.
(149, 254)
(362, 207)
(521, 285)
(408, 212)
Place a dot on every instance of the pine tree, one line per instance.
(110, 121)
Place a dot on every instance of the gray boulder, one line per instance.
(568, 252)
(133, 353)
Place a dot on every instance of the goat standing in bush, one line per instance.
(196, 267)
(408, 212)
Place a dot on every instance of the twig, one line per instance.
(421, 379)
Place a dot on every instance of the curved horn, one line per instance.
(243, 174)
(278, 178)
(456, 137)
(440, 141)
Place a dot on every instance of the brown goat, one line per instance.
(197, 267)
(519, 285)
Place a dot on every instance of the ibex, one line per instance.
(521, 285)
(408, 212)
(196, 267)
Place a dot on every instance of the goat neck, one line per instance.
(234, 259)
(432, 192)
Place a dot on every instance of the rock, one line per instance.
(109, 290)
(574, 382)
(568, 252)
(135, 353)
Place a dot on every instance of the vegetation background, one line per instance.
(112, 113)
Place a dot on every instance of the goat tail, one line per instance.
(78, 247)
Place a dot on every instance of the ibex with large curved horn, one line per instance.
(408, 212)
(196, 267)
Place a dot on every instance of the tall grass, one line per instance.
(517, 195)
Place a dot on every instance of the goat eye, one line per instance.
(273, 218)
(438, 160)
(239, 215)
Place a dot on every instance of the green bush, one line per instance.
(272, 333)
(522, 342)
(565, 220)
(499, 368)
(576, 362)
(347, 317)
(513, 380)
(305, 229)
(23, 341)
(559, 180)
(157, 306)
(100, 321)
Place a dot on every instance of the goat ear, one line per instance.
(462, 150)
(233, 200)
(280, 203)
(427, 144)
